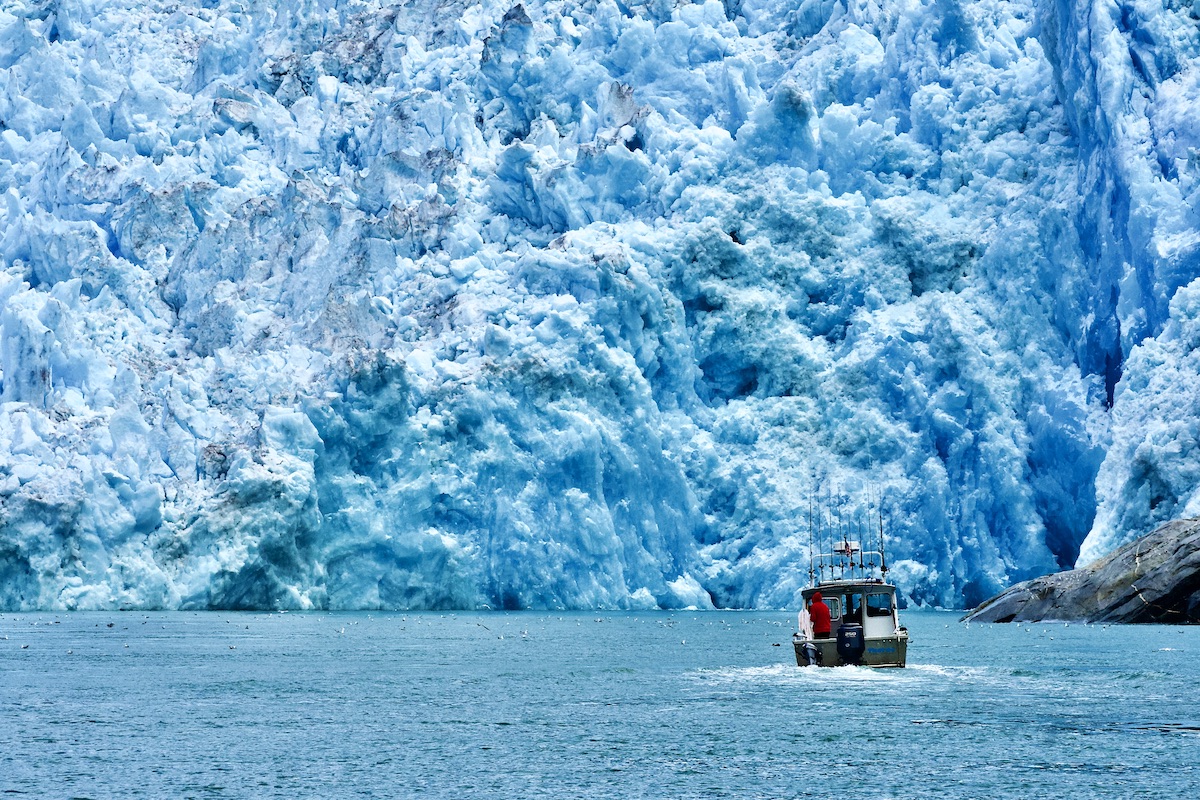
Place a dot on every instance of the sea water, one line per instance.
(535, 704)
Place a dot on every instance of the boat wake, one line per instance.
(959, 673)
(785, 674)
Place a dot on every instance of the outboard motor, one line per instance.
(851, 643)
(811, 653)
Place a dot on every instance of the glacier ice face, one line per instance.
(1128, 75)
(1152, 472)
(575, 304)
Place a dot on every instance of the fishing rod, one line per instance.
(883, 568)
(810, 539)
(858, 530)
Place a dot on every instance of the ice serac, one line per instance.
(584, 304)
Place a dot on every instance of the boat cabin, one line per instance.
(871, 604)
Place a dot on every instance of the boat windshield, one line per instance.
(854, 608)
(879, 605)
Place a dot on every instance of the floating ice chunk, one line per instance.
(686, 592)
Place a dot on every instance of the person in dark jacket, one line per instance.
(818, 612)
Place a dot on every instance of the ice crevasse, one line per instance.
(588, 304)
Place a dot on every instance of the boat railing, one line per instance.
(847, 560)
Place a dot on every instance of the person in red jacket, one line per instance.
(818, 612)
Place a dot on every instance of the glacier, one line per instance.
(588, 304)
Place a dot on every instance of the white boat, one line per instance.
(865, 623)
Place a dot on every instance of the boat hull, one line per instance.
(883, 651)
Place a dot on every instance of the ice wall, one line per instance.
(1130, 88)
(561, 304)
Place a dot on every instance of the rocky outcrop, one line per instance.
(1152, 579)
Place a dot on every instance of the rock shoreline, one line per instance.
(1153, 579)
